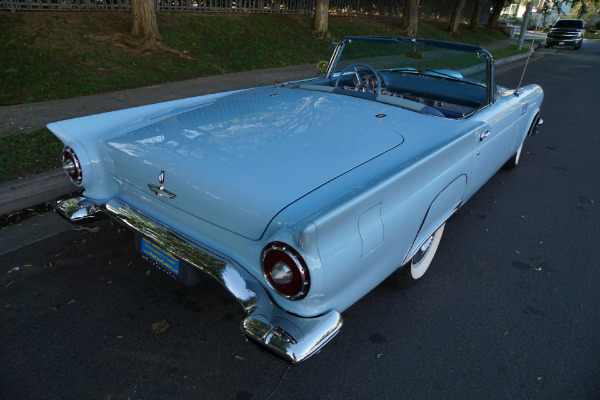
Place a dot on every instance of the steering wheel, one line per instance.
(354, 66)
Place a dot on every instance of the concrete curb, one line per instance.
(516, 57)
(508, 60)
(27, 192)
(30, 191)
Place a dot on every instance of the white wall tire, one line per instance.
(413, 271)
(419, 263)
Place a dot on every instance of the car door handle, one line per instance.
(483, 135)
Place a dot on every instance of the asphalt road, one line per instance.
(510, 307)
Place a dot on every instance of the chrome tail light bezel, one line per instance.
(71, 165)
(278, 252)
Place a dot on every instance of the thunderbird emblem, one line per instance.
(160, 191)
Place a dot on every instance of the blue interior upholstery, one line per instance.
(454, 92)
(418, 86)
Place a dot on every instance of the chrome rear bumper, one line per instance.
(288, 336)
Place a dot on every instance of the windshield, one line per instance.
(566, 23)
(405, 57)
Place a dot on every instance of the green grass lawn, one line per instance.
(30, 153)
(48, 56)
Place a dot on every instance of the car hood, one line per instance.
(238, 160)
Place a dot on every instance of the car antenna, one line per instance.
(526, 62)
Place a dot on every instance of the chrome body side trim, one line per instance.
(290, 337)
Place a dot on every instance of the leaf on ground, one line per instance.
(85, 228)
(160, 326)
(239, 357)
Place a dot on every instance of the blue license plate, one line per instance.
(160, 256)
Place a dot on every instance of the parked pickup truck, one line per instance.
(566, 32)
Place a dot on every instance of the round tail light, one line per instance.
(71, 165)
(285, 270)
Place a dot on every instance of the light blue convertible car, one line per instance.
(300, 198)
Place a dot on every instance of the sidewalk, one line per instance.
(27, 192)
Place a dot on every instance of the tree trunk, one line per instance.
(144, 23)
(410, 18)
(476, 15)
(493, 22)
(456, 15)
(524, 25)
(321, 21)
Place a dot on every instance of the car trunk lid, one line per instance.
(236, 162)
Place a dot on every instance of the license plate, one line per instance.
(160, 256)
(561, 43)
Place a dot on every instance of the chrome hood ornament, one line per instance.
(160, 191)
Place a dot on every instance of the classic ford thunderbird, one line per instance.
(300, 198)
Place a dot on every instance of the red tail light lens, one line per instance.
(71, 165)
(285, 270)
